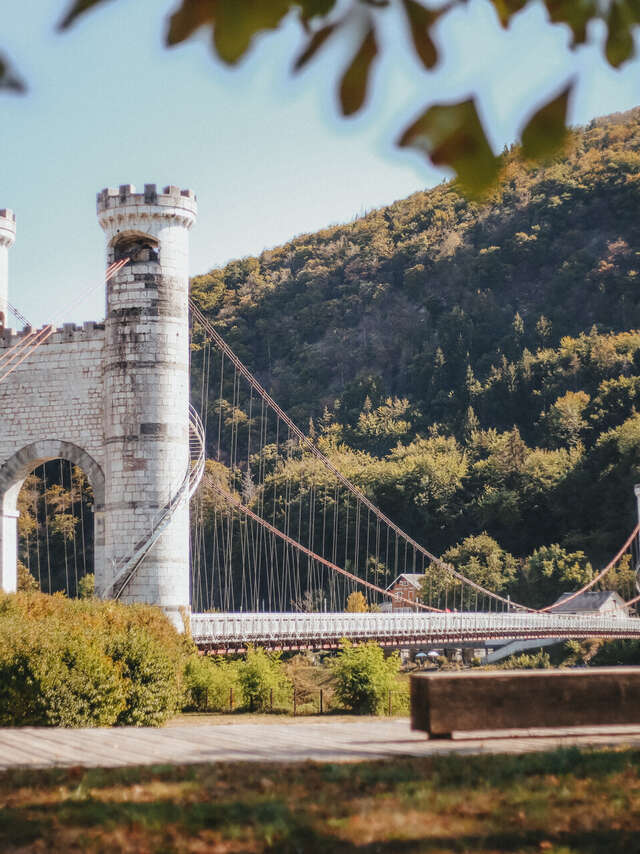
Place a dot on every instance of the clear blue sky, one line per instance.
(266, 154)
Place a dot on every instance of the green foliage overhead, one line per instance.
(450, 134)
(10, 80)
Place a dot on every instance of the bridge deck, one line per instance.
(223, 632)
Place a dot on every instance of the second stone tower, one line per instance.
(146, 389)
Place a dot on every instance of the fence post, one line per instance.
(206, 699)
(390, 703)
(271, 698)
(321, 701)
(294, 702)
(231, 699)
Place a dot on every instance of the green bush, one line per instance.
(261, 676)
(208, 683)
(364, 677)
(617, 652)
(539, 660)
(56, 677)
(149, 676)
(76, 663)
(87, 586)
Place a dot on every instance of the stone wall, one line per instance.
(53, 401)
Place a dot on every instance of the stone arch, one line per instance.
(12, 476)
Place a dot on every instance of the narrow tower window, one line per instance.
(138, 248)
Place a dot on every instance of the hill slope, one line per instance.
(403, 301)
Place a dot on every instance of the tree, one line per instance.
(450, 135)
(356, 603)
(479, 558)
(549, 572)
(26, 582)
(566, 418)
(380, 429)
(87, 586)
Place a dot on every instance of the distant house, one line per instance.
(405, 587)
(591, 602)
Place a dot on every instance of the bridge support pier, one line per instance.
(146, 390)
(9, 551)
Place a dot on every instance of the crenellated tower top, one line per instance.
(123, 207)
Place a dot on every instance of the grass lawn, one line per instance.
(559, 803)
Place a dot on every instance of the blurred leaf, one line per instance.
(353, 87)
(234, 22)
(315, 43)
(192, 15)
(576, 14)
(420, 21)
(506, 9)
(452, 135)
(9, 79)
(545, 131)
(620, 22)
(77, 9)
(312, 8)
(238, 22)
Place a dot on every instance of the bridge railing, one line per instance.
(272, 628)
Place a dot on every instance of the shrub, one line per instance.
(617, 652)
(539, 660)
(76, 662)
(56, 677)
(26, 581)
(149, 676)
(87, 586)
(260, 676)
(364, 677)
(309, 678)
(208, 683)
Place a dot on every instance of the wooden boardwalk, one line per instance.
(295, 740)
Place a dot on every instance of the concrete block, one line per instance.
(443, 703)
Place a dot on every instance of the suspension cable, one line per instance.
(235, 502)
(35, 340)
(601, 574)
(302, 439)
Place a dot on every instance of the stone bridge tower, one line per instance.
(114, 399)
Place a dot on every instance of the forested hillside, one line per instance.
(482, 356)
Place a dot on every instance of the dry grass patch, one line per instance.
(565, 802)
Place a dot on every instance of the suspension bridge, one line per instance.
(208, 498)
